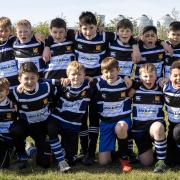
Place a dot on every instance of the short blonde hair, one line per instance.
(109, 63)
(5, 22)
(4, 83)
(74, 66)
(24, 22)
(148, 67)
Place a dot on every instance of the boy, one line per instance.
(8, 116)
(114, 108)
(26, 47)
(61, 50)
(174, 41)
(33, 107)
(151, 51)
(171, 92)
(8, 67)
(66, 119)
(148, 119)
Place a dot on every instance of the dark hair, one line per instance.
(174, 26)
(109, 63)
(58, 23)
(28, 67)
(87, 17)
(124, 23)
(149, 28)
(175, 65)
(4, 83)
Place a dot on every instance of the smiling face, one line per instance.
(124, 34)
(175, 78)
(24, 33)
(89, 31)
(3, 94)
(174, 37)
(149, 39)
(148, 79)
(76, 77)
(110, 75)
(28, 80)
(58, 34)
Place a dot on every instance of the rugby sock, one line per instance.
(123, 148)
(160, 147)
(84, 141)
(56, 148)
(130, 146)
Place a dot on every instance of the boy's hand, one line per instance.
(39, 37)
(167, 48)
(20, 88)
(64, 82)
(131, 92)
(128, 82)
(46, 54)
(136, 55)
(163, 81)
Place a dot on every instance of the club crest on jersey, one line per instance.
(98, 47)
(123, 94)
(157, 98)
(8, 115)
(160, 56)
(80, 46)
(84, 93)
(45, 101)
(68, 48)
(35, 50)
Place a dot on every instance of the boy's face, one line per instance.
(110, 76)
(149, 39)
(58, 34)
(175, 78)
(28, 80)
(89, 31)
(124, 34)
(148, 79)
(24, 33)
(4, 33)
(174, 37)
(76, 78)
(3, 94)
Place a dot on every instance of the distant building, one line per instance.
(166, 20)
(143, 21)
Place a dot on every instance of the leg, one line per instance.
(105, 158)
(157, 132)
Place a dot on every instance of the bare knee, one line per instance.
(146, 158)
(121, 130)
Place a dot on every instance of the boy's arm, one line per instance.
(128, 81)
(39, 37)
(166, 46)
(47, 52)
(163, 81)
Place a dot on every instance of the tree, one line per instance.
(42, 27)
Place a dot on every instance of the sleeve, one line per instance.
(133, 41)
(136, 84)
(49, 41)
(71, 34)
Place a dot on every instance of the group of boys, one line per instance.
(107, 96)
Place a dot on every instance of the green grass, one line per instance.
(94, 172)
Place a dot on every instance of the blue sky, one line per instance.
(41, 10)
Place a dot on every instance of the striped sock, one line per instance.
(160, 147)
(56, 148)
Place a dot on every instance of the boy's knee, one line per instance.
(176, 134)
(157, 130)
(121, 130)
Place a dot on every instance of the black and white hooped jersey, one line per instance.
(72, 104)
(170, 59)
(112, 100)
(7, 115)
(172, 102)
(91, 52)
(31, 51)
(8, 64)
(122, 53)
(155, 56)
(61, 55)
(34, 107)
(148, 104)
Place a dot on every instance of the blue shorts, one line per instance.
(108, 136)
